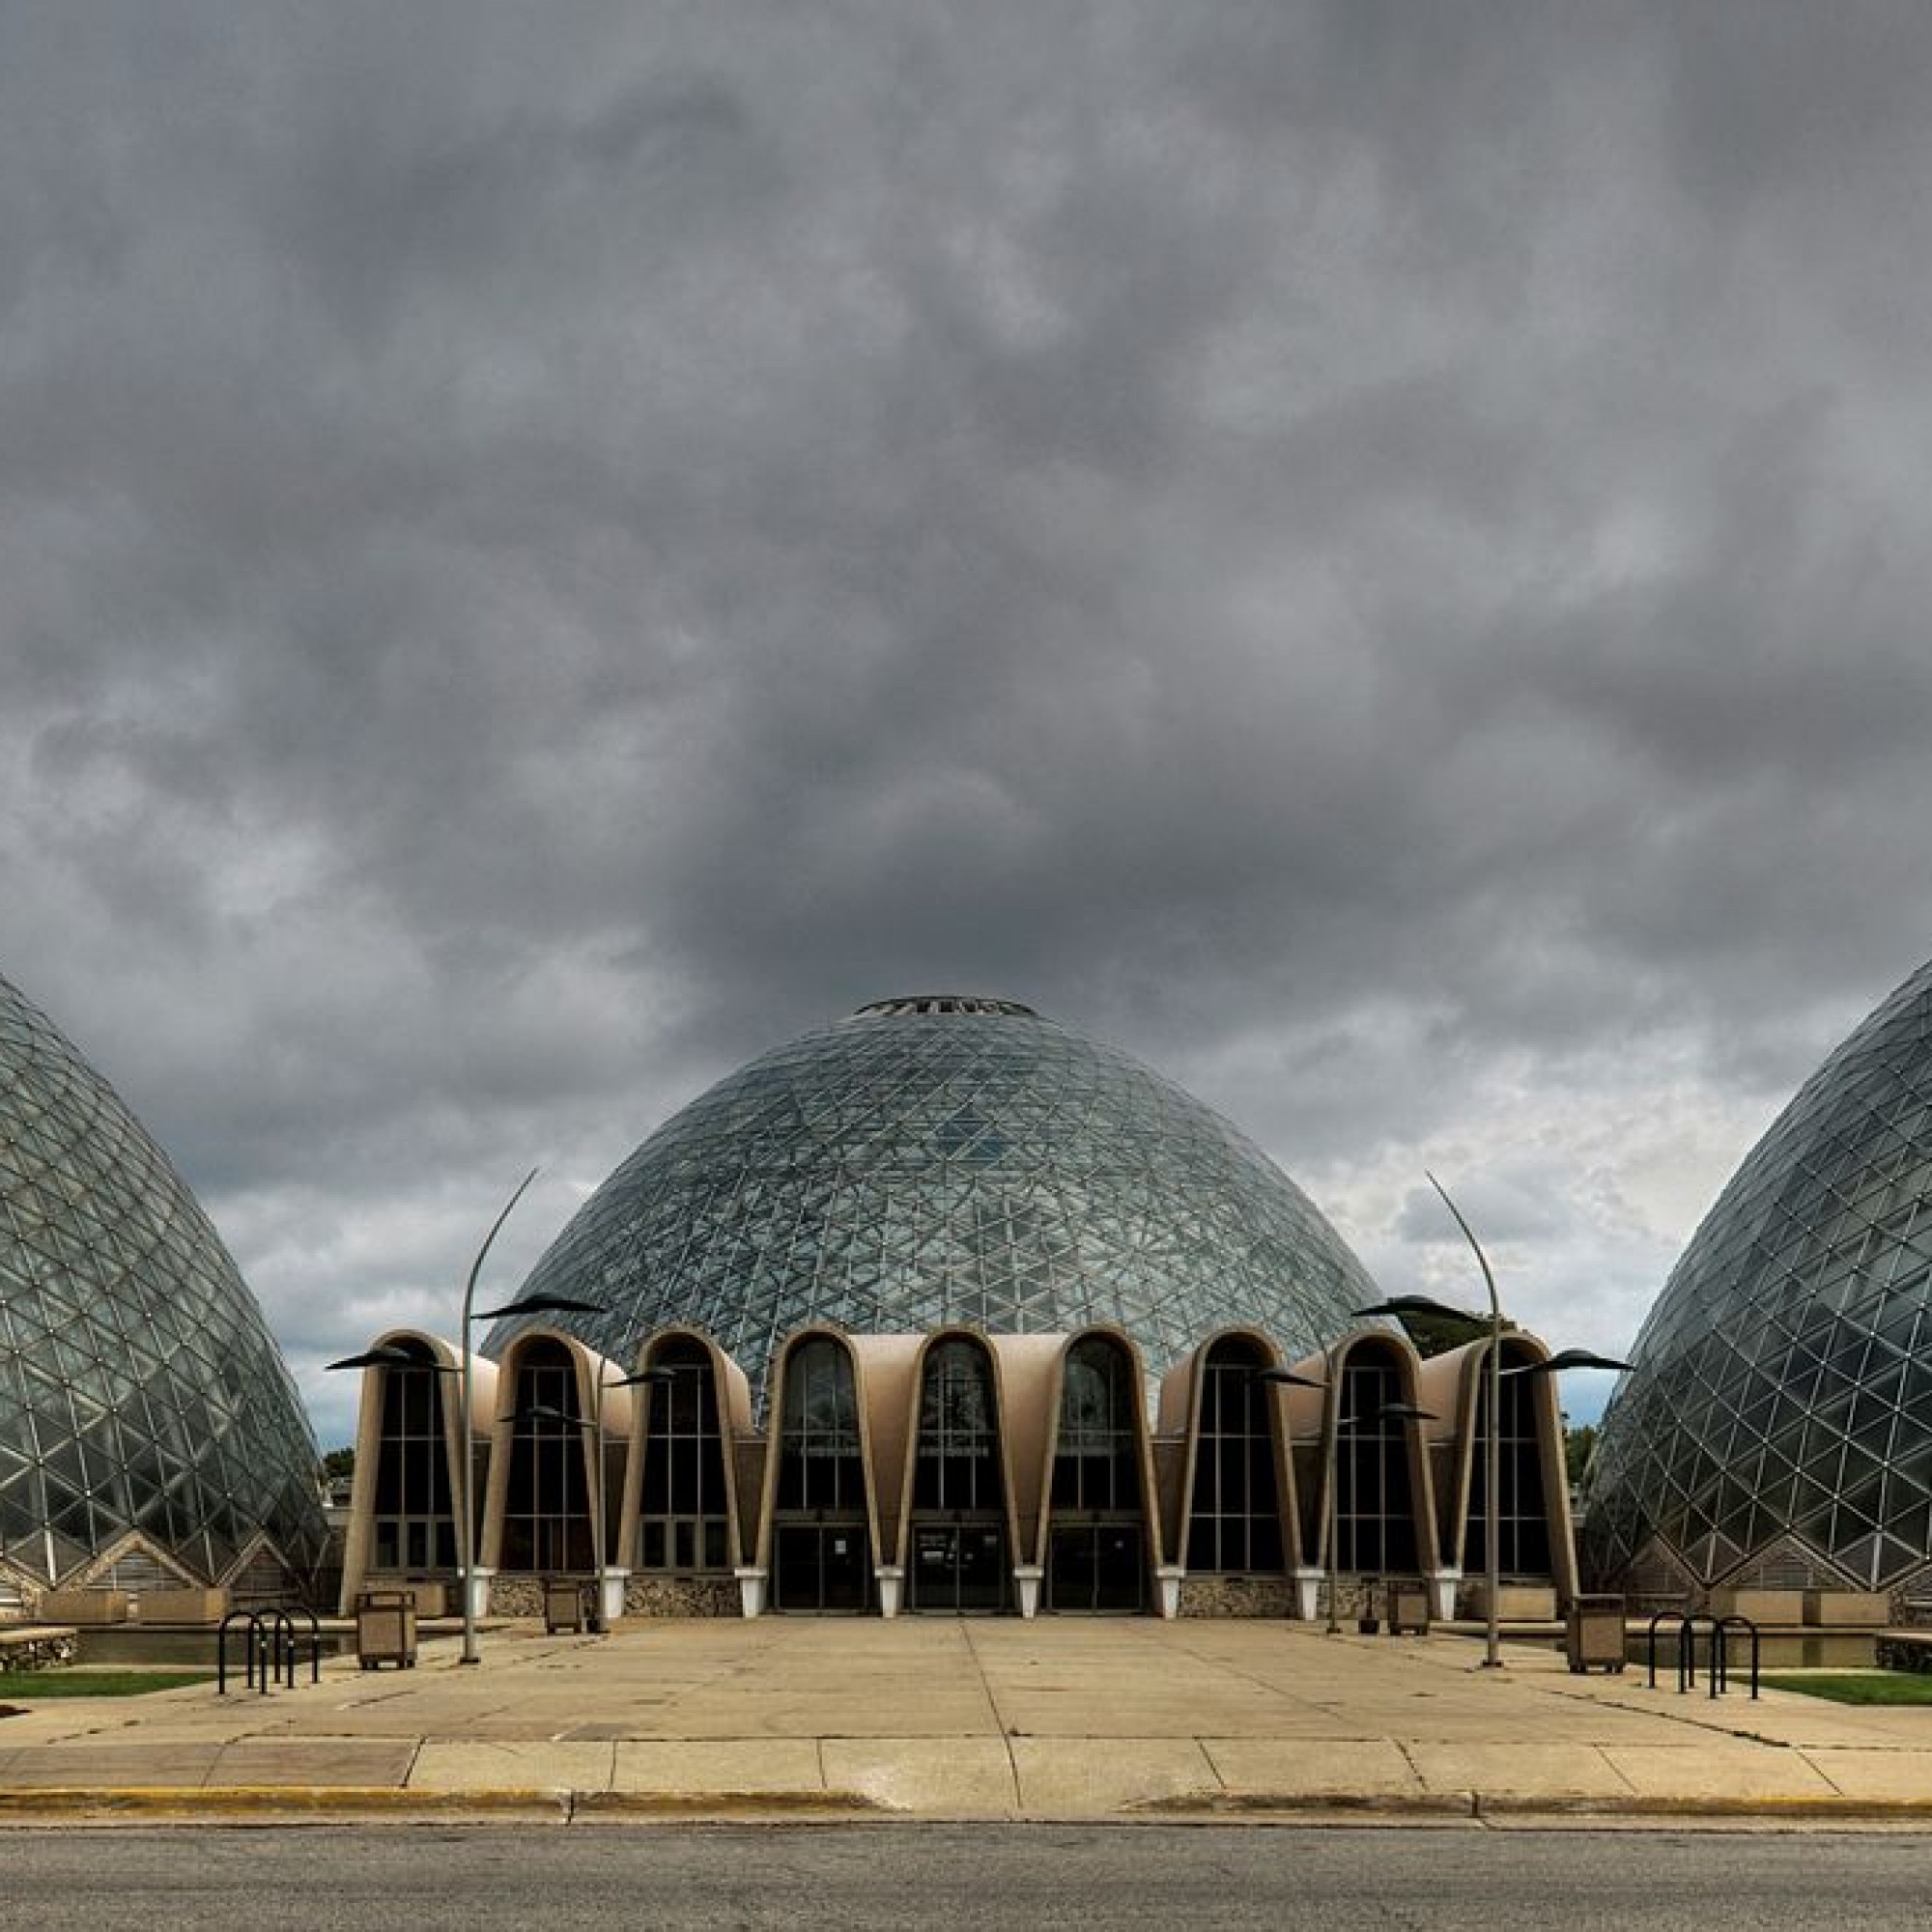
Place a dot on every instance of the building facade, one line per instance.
(957, 1472)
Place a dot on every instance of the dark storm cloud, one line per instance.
(1374, 554)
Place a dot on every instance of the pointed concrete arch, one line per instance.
(1214, 1590)
(606, 1418)
(359, 1564)
(1454, 1384)
(782, 1524)
(995, 1376)
(1392, 1355)
(651, 1592)
(1057, 1514)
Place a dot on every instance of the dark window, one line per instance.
(1234, 1513)
(685, 1519)
(413, 1526)
(1374, 1502)
(1523, 1521)
(1095, 1459)
(820, 1467)
(958, 1559)
(547, 1513)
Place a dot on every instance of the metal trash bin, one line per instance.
(565, 1605)
(1408, 1600)
(385, 1629)
(1593, 1635)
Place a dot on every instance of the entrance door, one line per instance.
(822, 1566)
(958, 1567)
(1097, 1567)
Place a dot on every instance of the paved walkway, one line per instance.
(1056, 1719)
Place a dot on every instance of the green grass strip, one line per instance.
(1856, 1687)
(19, 1684)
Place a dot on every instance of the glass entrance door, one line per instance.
(822, 1566)
(958, 1567)
(1097, 1567)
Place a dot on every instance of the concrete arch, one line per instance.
(997, 1372)
(1382, 1345)
(437, 1354)
(1110, 1336)
(1182, 1390)
(783, 1371)
(732, 1391)
(1453, 1383)
(607, 1413)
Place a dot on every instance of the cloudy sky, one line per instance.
(1374, 555)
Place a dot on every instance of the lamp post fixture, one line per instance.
(528, 1304)
(1493, 1325)
(1389, 1411)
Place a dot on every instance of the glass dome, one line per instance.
(1777, 1425)
(140, 1387)
(946, 1159)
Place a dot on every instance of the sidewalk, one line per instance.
(1057, 1720)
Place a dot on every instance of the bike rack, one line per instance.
(1717, 1629)
(256, 1653)
(272, 1649)
(1720, 1650)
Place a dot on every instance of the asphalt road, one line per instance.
(342, 1878)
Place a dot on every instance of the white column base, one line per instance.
(1307, 1594)
(477, 1583)
(1028, 1576)
(1168, 1578)
(891, 1578)
(610, 1595)
(752, 1591)
(1442, 1587)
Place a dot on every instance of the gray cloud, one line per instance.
(1373, 555)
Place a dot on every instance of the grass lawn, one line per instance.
(1856, 1687)
(17, 1684)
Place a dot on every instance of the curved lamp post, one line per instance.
(529, 1304)
(1493, 1325)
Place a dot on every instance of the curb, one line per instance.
(331, 1801)
(324, 1803)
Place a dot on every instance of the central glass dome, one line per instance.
(949, 1159)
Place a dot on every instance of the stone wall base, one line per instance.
(682, 1597)
(1215, 1596)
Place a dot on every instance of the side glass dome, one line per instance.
(140, 1391)
(1777, 1425)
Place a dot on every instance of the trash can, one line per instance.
(1407, 1607)
(385, 1629)
(564, 1606)
(1593, 1635)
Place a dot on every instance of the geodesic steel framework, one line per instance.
(142, 1398)
(947, 1160)
(1777, 1427)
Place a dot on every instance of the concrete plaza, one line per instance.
(1053, 1719)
